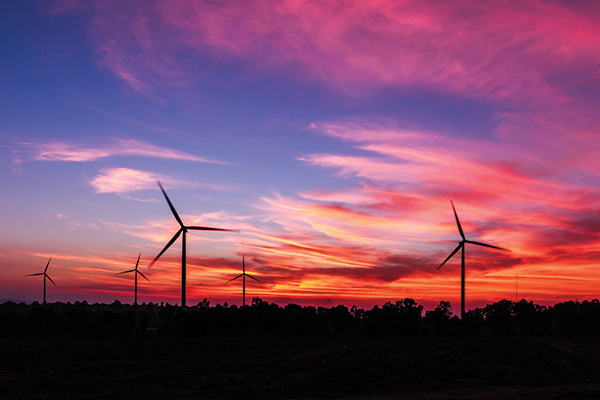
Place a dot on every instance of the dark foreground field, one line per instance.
(304, 368)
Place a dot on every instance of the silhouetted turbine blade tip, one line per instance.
(233, 279)
(47, 265)
(250, 276)
(173, 239)
(462, 234)
(486, 245)
(143, 275)
(41, 273)
(206, 228)
(138, 261)
(450, 256)
(51, 280)
(170, 204)
(124, 272)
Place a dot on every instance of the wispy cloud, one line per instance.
(531, 186)
(396, 225)
(127, 180)
(133, 121)
(494, 50)
(68, 152)
(431, 167)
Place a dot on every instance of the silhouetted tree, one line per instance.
(498, 317)
(566, 318)
(358, 315)
(340, 320)
(400, 318)
(204, 303)
(403, 317)
(526, 316)
(589, 312)
(472, 324)
(302, 321)
(439, 318)
(167, 319)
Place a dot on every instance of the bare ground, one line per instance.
(302, 368)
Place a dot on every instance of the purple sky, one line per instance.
(333, 136)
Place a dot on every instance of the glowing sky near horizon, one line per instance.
(332, 134)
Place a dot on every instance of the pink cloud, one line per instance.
(516, 167)
(124, 180)
(532, 188)
(495, 50)
(397, 224)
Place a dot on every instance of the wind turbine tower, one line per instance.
(461, 246)
(45, 276)
(135, 272)
(182, 231)
(243, 275)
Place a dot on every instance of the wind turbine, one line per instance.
(135, 272)
(183, 230)
(45, 276)
(243, 275)
(461, 246)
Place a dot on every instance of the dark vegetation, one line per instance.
(402, 318)
(505, 350)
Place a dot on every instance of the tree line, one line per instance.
(401, 318)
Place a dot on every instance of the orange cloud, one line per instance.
(531, 186)
(399, 224)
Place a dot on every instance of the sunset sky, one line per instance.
(332, 134)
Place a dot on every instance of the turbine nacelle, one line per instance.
(45, 274)
(135, 273)
(464, 239)
(461, 246)
(135, 269)
(244, 275)
(183, 229)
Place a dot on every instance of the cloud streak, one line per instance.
(395, 226)
(127, 180)
(68, 152)
(498, 51)
(529, 184)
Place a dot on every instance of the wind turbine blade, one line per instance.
(462, 234)
(170, 204)
(41, 273)
(205, 228)
(138, 261)
(166, 247)
(47, 265)
(250, 276)
(50, 279)
(486, 245)
(143, 275)
(450, 256)
(124, 272)
(239, 276)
